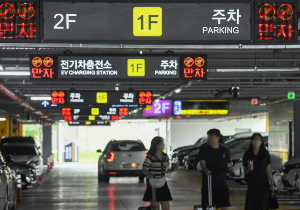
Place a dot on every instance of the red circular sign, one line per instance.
(48, 61)
(26, 11)
(61, 94)
(148, 94)
(266, 12)
(199, 61)
(142, 94)
(188, 61)
(54, 94)
(37, 61)
(285, 12)
(7, 11)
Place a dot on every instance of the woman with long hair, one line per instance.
(256, 162)
(156, 166)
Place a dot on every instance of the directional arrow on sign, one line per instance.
(45, 103)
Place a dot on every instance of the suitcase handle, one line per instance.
(209, 191)
(153, 194)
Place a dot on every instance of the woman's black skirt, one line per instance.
(162, 194)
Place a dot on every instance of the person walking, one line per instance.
(213, 161)
(256, 162)
(156, 166)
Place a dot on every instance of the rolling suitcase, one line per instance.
(153, 206)
(209, 206)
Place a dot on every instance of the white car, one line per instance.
(120, 159)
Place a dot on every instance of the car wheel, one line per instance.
(141, 178)
(105, 176)
(100, 177)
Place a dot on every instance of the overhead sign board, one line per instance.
(118, 67)
(276, 21)
(99, 123)
(160, 108)
(201, 107)
(42, 67)
(137, 22)
(19, 21)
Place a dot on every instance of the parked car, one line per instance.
(8, 186)
(121, 158)
(180, 154)
(23, 150)
(287, 179)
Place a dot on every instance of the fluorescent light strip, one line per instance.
(14, 73)
(2, 118)
(252, 70)
(43, 98)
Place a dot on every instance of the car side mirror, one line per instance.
(99, 150)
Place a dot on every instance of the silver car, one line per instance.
(121, 158)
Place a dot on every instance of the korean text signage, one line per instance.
(194, 67)
(119, 67)
(99, 123)
(147, 22)
(19, 21)
(277, 22)
(42, 67)
(160, 108)
(201, 107)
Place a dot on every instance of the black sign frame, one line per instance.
(38, 25)
(251, 2)
(256, 34)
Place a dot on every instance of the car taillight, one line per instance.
(146, 154)
(110, 157)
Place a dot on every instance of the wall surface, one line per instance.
(188, 132)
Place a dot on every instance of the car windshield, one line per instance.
(18, 150)
(242, 145)
(127, 146)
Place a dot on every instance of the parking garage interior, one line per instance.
(244, 84)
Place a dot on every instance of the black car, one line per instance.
(8, 186)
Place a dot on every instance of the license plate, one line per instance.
(132, 165)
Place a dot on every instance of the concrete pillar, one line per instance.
(47, 142)
(296, 129)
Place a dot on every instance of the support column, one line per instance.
(47, 142)
(296, 129)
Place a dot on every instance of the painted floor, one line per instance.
(75, 187)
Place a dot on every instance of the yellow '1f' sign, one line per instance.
(147, 21)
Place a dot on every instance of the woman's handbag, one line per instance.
(273, 202)
(159, 182)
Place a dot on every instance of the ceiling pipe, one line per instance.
(7, 92)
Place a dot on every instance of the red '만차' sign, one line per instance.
(277, 22)
(42, 67)
(18, 20)
(194, 67)
(145, 97)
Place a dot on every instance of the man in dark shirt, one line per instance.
(213, 160)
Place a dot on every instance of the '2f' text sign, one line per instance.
(118, 67)
(277, 21)
(19, 21)
(160, 108)
(147, 22)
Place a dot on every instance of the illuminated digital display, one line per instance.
(201, 107)
(88, 123)
(58, 97)
(42, 67)
(18, 20)
(123, 111)
(145, 97)
(254, 101)
(277, 22)
(194, 67)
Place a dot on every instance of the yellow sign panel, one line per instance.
(136, 67)
(204, 112)
(147, 21)
(101, 97)
(88, 122)
(92, 117)
(95, 111)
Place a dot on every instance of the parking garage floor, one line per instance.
(75, 186)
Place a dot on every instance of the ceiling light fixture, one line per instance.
(43, 98)
(178, 90)
(14, 73)
(2, 118)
